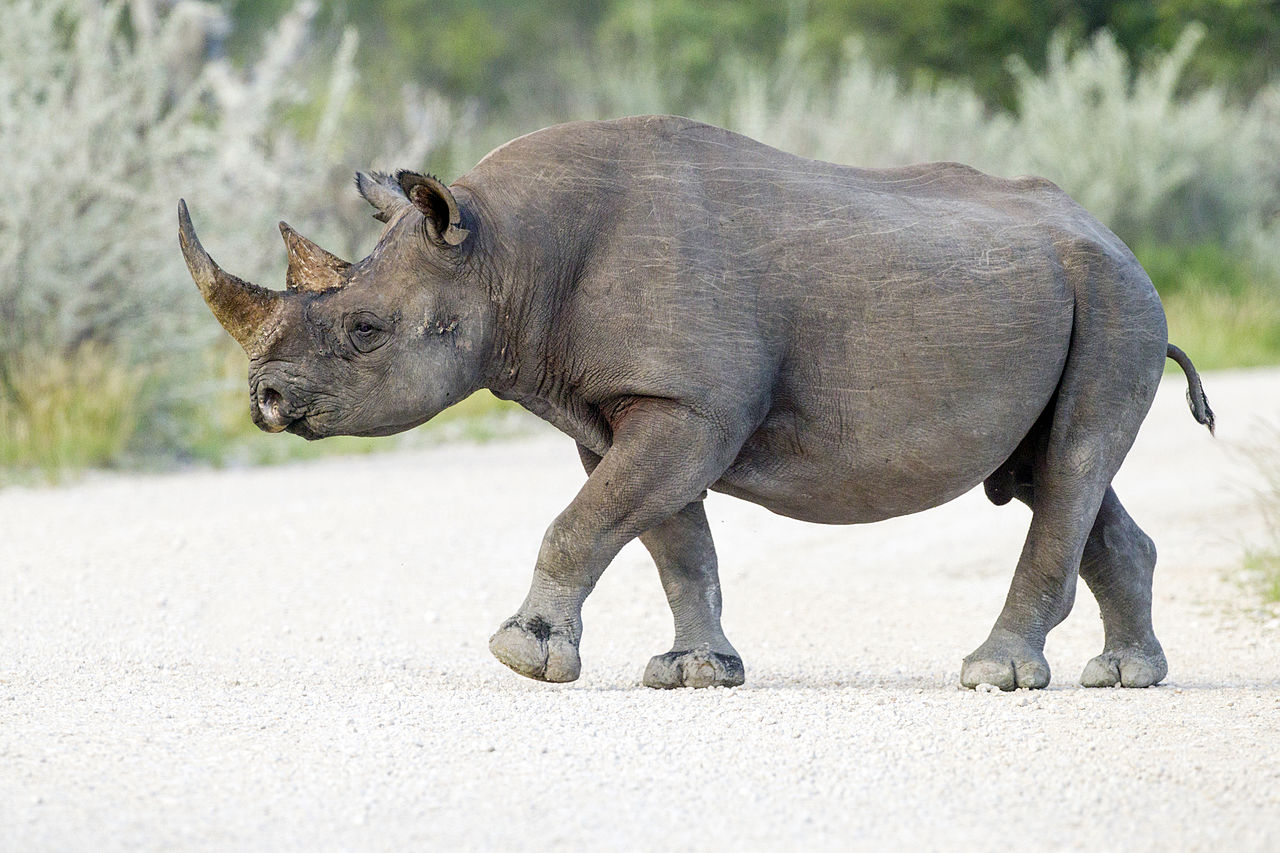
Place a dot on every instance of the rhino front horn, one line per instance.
(240, 307)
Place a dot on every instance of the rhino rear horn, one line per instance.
(311, 268)
(240, 307)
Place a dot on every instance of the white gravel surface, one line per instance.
(295, 658)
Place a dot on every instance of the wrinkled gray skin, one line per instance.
(700, 311)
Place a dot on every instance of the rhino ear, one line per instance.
(383, 192)
(433, 198)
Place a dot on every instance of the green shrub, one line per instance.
(1220, 329)
(1198, 266)
(1222, 308)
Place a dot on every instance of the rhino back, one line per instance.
(888, 335)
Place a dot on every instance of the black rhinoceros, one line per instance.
(701, 311)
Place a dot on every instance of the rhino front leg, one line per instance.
(663, 457)
(681, 546)
(701, 655)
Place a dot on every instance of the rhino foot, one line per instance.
(533, 648)
(1007, 661)
(699, 667)
(1127, 667)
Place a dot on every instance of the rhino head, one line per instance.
(367, 348)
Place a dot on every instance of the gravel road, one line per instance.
(295, 658)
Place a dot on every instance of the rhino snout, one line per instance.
(271, 409)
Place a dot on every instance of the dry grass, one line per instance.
(1263, 569)
(65, 413)
(60, 415)
(1223, 329)
(1262, 562)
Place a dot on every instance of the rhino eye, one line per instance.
(366, 332)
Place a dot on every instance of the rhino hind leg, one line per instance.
(1044, 583)
(682, 548)
(1118, 565)
(1104, 393)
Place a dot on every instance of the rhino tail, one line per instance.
(1195, 391)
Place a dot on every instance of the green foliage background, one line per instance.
(485, 49)
(1162, 118)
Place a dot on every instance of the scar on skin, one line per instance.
(441, 327)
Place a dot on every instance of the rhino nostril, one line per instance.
(271, 407)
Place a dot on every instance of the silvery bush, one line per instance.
(111, 111)
(103, 123)
(1155, 162)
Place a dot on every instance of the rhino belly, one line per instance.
(852, 445)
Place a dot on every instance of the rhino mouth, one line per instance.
(305, 425)
(302, 429)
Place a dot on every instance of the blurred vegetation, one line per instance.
(971, 39)
(71, 413)
(1262, 561)
(1161, 118)
(482, 49)
(1263, 566)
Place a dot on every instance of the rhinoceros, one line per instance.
(698, 310)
